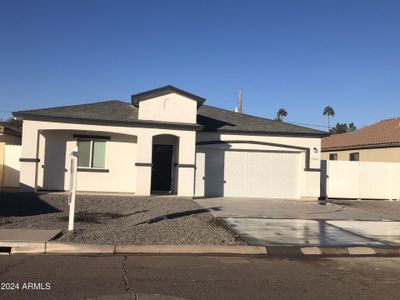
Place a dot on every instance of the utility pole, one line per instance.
(240, 101)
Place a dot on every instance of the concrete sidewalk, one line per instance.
(27, 235)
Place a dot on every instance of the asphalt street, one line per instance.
(198, 277)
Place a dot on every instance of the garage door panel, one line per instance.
(252, 166)
(253, 174)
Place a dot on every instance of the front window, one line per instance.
(333, 156)
(355, 156)
(91, 153)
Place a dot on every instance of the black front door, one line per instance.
(161, 173)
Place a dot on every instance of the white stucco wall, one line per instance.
(130, 145)
(361, 180)
(129, 179)
(170, 108)
(53, 173)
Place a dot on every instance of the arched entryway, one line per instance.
(164, 174)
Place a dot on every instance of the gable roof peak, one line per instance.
(165, 90)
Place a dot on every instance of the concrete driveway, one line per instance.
(272, 222)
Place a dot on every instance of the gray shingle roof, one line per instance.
(209, 117)
(106, 110)
(213, 118)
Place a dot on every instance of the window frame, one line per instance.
(335, 155)
(91, 149)
(352, 154)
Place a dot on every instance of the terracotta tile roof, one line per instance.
(386, 132)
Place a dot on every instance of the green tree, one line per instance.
(13, 123)
(342, 128)
(328, 111)
(351, 127)
(281, 114)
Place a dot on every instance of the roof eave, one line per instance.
(355, 147)
(131, 123)
(275, 133)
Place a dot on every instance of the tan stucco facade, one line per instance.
(6, 139)
(2, 150)
(391, 154)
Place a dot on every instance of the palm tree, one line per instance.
(281, 114)
(328, 111)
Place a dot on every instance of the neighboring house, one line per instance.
(167, 141)
(8, 136)
(379, 142)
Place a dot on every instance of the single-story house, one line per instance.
(167, 140)
(9, 135)
(379, 142)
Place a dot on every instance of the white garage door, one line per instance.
(251, 174)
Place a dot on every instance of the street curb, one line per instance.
(315, 251)
(75, 248)
(361, 251)
(278, 251)
(190, 249)
(25, 248)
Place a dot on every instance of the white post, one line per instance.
(72, 188)
(327, 179)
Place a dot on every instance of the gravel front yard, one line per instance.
(104, 219)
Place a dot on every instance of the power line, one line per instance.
(312, 125)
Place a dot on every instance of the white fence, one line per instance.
(12, 154)
(360, 180)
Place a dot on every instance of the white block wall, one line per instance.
(361, 180)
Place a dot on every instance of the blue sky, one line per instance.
(300, 55)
